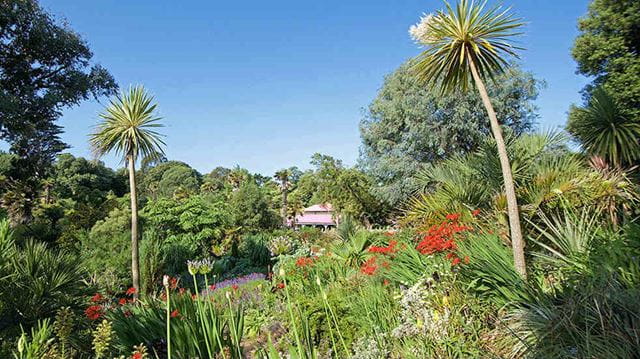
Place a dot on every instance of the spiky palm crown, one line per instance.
(604, 130)
(128, 127)
(456, 38)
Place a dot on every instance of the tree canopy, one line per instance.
(608, 49)
(409, 125)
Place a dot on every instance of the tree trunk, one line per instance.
(517, 242)
(135, 257)
(285, 191)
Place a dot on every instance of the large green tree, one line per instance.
(168, 178)
(608, 49)
(44, 67)
(409, 125)
(129, 129)
(467, 45)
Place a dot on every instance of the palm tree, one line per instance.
(283, 176)
(128, 130)
(466, 44)
(604, 130)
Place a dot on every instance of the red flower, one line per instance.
(173, 283)
(389, 249)
(369, 267)
(280, 285)
(131, 291)
(212, 287)
(453, 216)
(455, 261)
(175, 313)
(93, 312)
(97, 298)
(127, 313)
(440, 238)
(181, 290)
(304, 262)
(466, 259)
(235, 287)
(122, 301)
(385, 282)
(475, 212)
(136, 355)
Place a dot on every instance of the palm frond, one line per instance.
(456, 38)
(129, 127)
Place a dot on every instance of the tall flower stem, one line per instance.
(291, 317)
(168, 294)
(211, 312)
(333, 315)
(201, 315)
(234, 327)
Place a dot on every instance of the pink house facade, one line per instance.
(318, 216)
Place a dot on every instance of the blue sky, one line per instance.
(265, 84)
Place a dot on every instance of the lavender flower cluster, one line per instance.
(236, 281)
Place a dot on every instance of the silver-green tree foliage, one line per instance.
(409, 125)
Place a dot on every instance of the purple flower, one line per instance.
(236, 281)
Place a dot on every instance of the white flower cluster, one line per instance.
(280, 246)
(203, 266)
(421, 32)
(420, 315)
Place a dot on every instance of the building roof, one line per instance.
(310, 216)
(326, 207)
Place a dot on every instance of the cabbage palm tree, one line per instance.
(128, 130)
(604, 130)
(468, 44)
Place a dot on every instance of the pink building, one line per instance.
(318, 215)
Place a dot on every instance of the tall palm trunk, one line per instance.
(135, 257)
(517, 242)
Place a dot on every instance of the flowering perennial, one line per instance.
(389, 249)
(441, 238)
(93, 312)
(304, 261)
(369, 267)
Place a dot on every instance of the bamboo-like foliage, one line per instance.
(604, 130)
(456, 37)
(128, 127)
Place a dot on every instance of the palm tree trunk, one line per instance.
(517, 242)
(135, 257)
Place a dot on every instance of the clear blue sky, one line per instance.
(265, 84)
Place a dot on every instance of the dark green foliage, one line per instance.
(170, 178)
(84, 181)
(409, 125)
(35, 281)
(194, 223)
(608, 49)
(105, 250)
(45, 67)
(348, 190)
(251, 209)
